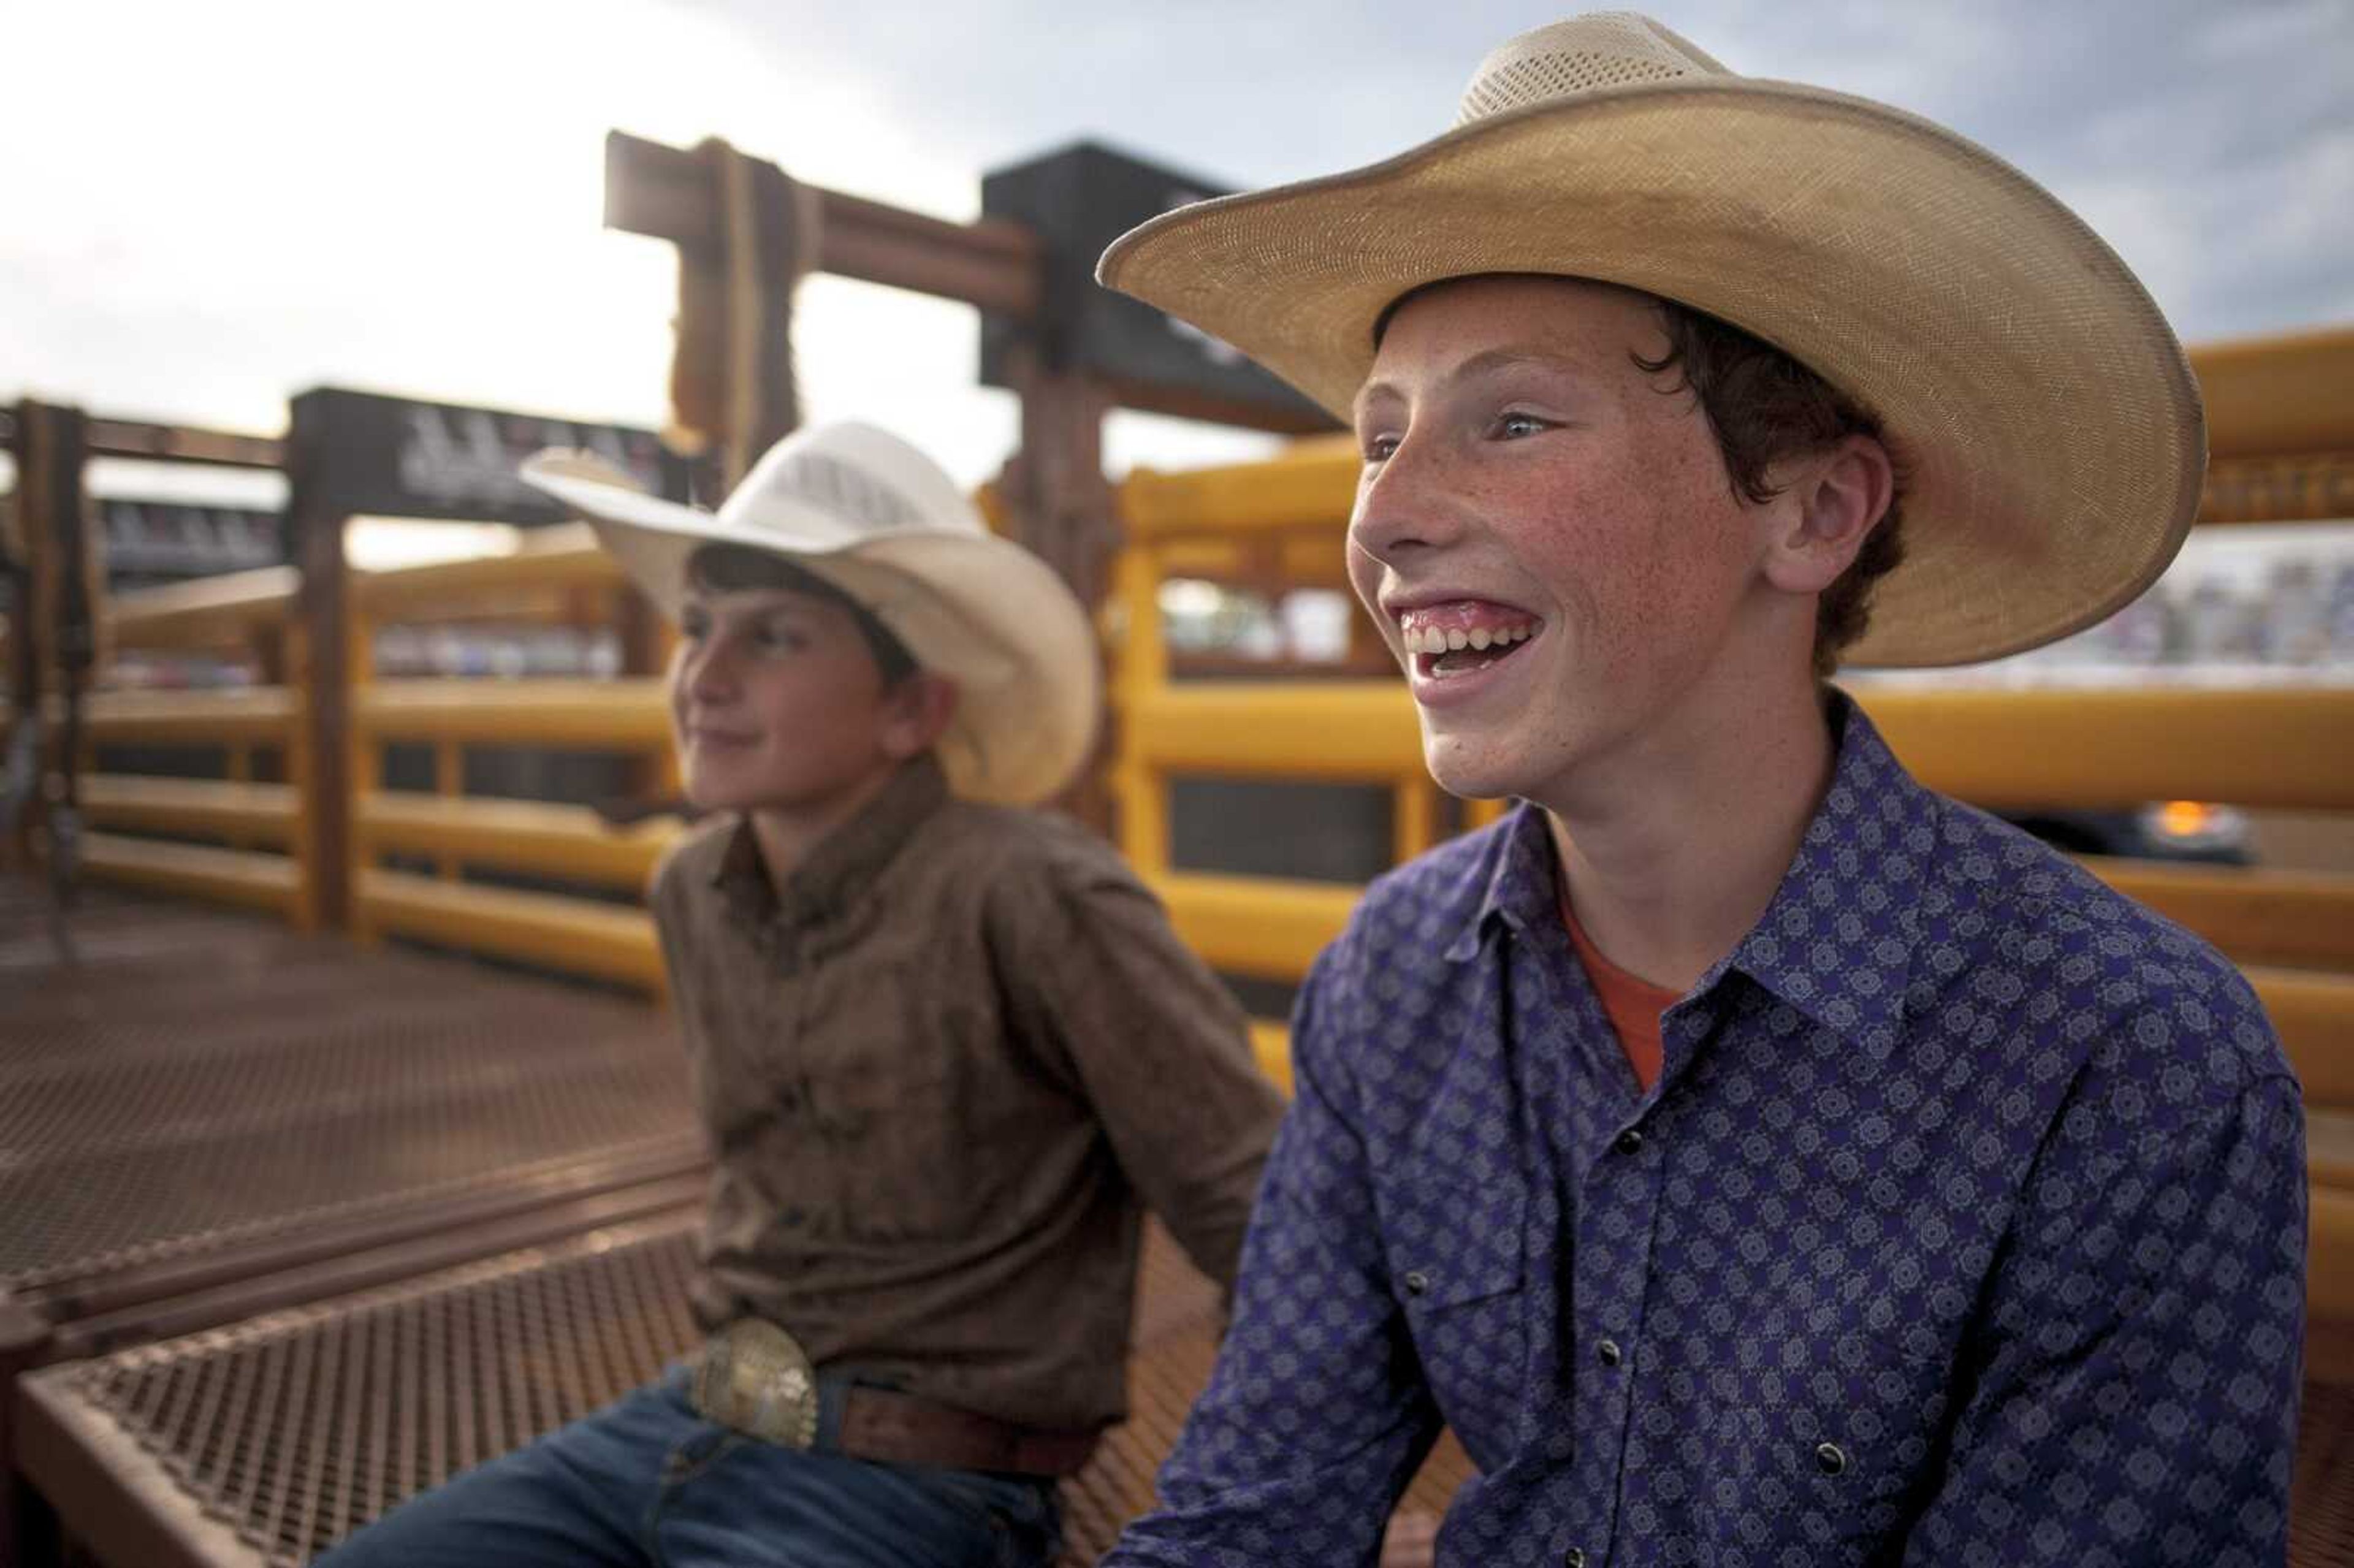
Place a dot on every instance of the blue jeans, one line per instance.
(647, 1483)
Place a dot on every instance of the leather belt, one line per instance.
(755, 1377)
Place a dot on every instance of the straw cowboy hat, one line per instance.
(878, 520)
(2049, 423)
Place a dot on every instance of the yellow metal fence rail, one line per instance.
(256, 859)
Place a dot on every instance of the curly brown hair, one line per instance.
(1764, 406)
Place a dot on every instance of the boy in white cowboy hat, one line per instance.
(1753, 1157)
(946, 1051)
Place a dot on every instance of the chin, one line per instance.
(1473, 771)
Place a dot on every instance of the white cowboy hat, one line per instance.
(2050, 424)
(877, 519)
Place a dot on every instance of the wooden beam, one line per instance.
(179, 443)
(314, 524)
(667, 193)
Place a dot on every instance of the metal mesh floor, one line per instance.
(198, 1079)
(285, 1432)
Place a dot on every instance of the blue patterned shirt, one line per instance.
(1965, 1224)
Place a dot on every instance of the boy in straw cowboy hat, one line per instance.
(1753, 1157)
(945, 1050)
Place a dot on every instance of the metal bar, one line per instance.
(262, 811)
(2278, 396)
(270, 882)
(117, 1293)
(667, 192)
(118, 1499)
(264, 713)
(617, 714)
(2276, 747)
(1311, 487)
(575, 935)
(2257, 915)
(180, 443)
(515, 835)
(1261, 927)
(2317, 488)
(407, 1258)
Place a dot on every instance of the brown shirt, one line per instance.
(939, 1071)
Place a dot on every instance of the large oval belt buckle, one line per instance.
(756, 1378)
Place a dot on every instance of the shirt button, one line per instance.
(1629, 1141)
(1607, 1352)
(1830, 1458)
(1574, 1558)
(1416, 1282)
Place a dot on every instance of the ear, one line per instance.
(1831, 502)
(917, 712)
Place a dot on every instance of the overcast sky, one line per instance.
(204, 208)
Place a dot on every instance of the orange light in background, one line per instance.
(2185, 819)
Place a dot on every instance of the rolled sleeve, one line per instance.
(2134, 1396)
(1316, 1415)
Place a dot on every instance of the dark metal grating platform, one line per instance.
(203, 1082)
(265, 1443)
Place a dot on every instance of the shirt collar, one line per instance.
(1863, 858)
(844, 861)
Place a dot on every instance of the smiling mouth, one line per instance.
(1457, 641)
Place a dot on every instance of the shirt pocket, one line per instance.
(1838, 1469)
(1458, 1263)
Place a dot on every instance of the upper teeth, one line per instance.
(1432, 640)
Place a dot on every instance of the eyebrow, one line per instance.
(1486, 362)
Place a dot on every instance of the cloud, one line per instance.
(223, 204)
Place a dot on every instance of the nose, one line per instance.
(705, 672)
(1406, 503)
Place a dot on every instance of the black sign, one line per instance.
(357, 452)
(1078, 201)
(163, 541)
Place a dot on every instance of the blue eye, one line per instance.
(1512, 426)
(1379, 448)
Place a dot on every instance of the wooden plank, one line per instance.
(626, 715)
(575, 935)
(667, 193)
(181, 443)
(243, 878)
(264, 811)
(514, 835)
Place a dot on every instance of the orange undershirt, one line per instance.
(1633, 1003)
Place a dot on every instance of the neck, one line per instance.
(787, 836)
(1671, 853)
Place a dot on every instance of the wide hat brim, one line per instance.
(979, 609)
(2047, 420)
